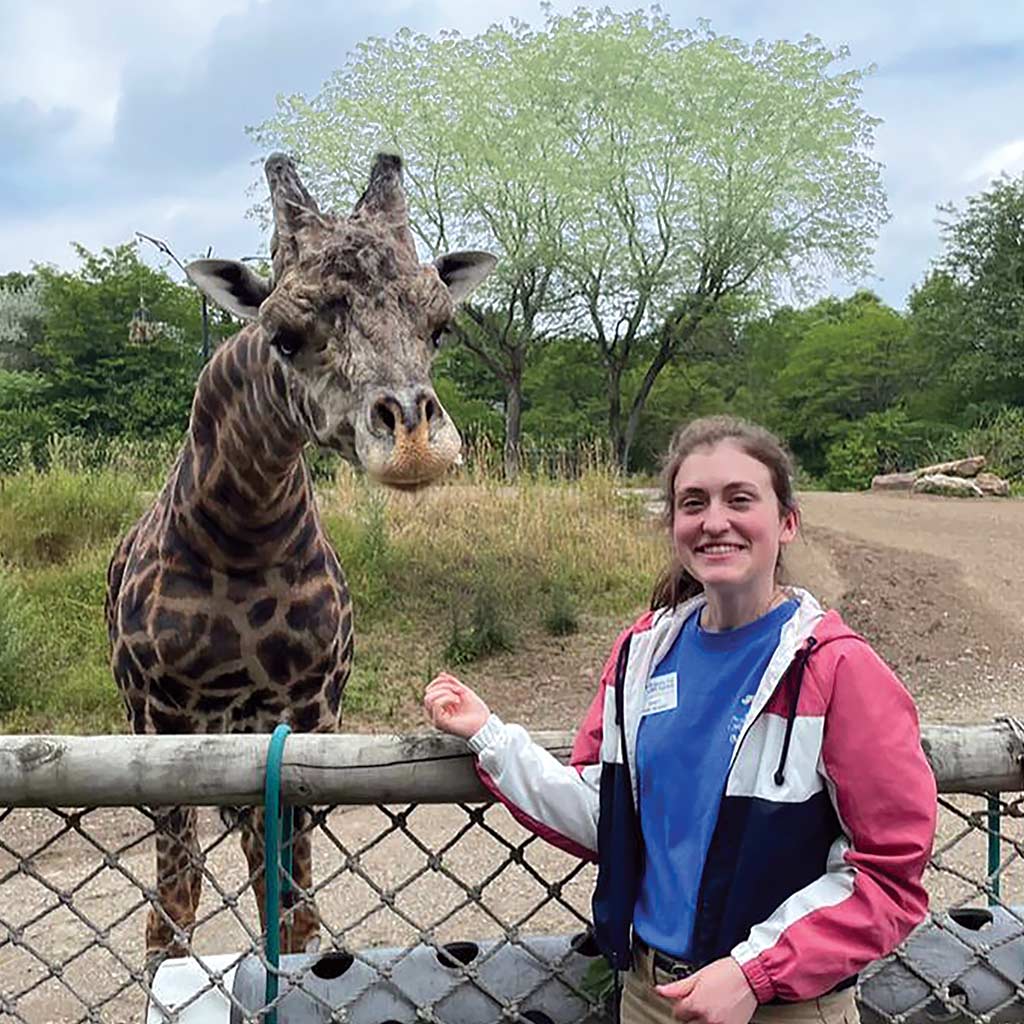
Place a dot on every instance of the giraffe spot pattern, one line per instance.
(262, 612)
(280, 655)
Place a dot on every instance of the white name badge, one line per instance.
(660, 694)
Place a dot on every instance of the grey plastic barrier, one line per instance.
(969, 954)
(541, 975)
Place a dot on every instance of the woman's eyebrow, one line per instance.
(733, 485)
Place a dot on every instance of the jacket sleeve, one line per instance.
(558, 802)
(871, 894)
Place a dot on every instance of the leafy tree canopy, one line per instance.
(969, 312)
(635, 177)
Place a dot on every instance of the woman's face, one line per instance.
(727, 524)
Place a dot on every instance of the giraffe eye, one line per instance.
(440, 336)
(287, 341)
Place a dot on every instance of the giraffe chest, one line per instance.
(236, 651)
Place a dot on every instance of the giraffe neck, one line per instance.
(241, 496)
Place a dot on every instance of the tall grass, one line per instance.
(85, 495)
(453, 573)
(475, 566)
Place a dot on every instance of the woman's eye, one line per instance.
(287, 341)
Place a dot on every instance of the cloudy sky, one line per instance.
(117, 116)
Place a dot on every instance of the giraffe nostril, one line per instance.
(430, 410)
(384, 417)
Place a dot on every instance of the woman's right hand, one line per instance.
(453, 707)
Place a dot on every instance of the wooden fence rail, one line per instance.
(121, 771)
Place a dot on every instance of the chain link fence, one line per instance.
(436, 911)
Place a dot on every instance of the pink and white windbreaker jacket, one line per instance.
(826, 819)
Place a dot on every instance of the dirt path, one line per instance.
(937, 585)
(982, 540)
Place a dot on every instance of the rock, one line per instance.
(958, 467)
(992, 484)
(893, 481)
(952, 486)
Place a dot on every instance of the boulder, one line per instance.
(893, 481)
(952, 486)
(992, 484)
(958, 467)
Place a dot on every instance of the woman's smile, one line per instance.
(718, 549)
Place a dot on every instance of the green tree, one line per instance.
(634, 177)
(96, 381)
(852, 358)
(565, 403)
(968, 315)
(470, 393)
(21, 321)
(714, 171)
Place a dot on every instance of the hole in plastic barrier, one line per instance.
(973, 918)
(941, 1012)
(537, 1017)
(584, 944)
(458, 953)
(332, 965)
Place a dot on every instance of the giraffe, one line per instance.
(226, 607)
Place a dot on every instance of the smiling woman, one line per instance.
(731, 510)
(752, 857)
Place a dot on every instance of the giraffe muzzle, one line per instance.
(412, 441)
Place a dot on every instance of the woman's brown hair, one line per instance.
(675, 584)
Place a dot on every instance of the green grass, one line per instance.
(49, 518)
(56, 674)
(453, 574)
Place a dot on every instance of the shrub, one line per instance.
(488, 630)
(999, 436)
(882, 442)
(561, 614)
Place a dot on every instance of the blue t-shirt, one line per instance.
(695, 705)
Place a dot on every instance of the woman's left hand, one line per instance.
(716, 994)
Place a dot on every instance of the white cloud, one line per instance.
(73, 54)
(1005, 159)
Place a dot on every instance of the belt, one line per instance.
(663, 962)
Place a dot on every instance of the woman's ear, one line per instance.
(790, 525)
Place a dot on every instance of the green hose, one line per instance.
(277, 859)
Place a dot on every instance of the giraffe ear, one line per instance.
(462, 272)
(230, 285)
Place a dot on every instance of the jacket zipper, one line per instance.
(805, 649)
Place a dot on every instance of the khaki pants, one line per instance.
(642, 1005)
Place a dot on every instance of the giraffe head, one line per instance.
(353, 321)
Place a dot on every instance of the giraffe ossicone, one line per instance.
(226, 606)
